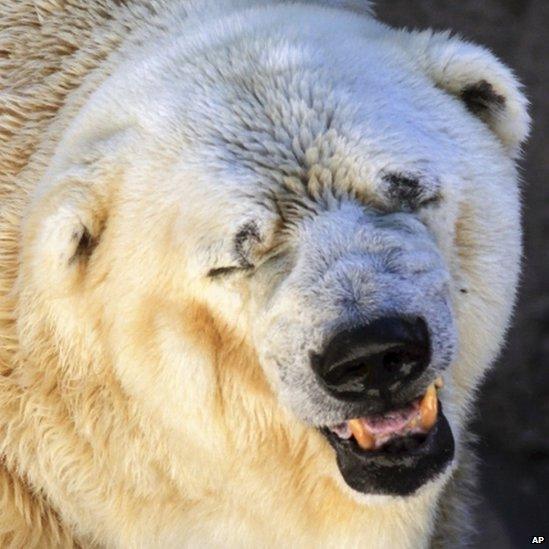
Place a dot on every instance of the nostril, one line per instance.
(374, 356)
(392, 360)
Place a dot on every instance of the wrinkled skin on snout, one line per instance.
(349, 271)
(349, 267)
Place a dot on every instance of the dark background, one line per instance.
(513, 412)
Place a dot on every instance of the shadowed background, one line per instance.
(513, 412)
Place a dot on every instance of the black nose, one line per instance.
(377, 355)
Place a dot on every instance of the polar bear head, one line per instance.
(292, 220)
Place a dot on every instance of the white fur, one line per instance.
(185, 140)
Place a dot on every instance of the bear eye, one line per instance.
(409, 192)
(220, 272)
(243, 245)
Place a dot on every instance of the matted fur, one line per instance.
(83, 464)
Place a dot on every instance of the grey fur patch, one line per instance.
(408, 192)
(245, 238)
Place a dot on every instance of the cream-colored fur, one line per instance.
(134, 410)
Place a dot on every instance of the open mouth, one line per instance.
(397, 451)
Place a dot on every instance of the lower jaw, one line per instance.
(394, 474)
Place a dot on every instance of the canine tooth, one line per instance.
(439, 383)
(428, 408)
(363, 437)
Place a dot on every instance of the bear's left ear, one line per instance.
(474, 75)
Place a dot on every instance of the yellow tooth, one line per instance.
(428, 408)
(439, 383)
(363, 437)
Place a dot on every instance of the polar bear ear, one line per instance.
(485, 85)
(63, 230)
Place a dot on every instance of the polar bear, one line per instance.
(255, 258)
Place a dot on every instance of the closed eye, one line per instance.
(220, 272)
(268, 257)
(249, 252)
(409, 192)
